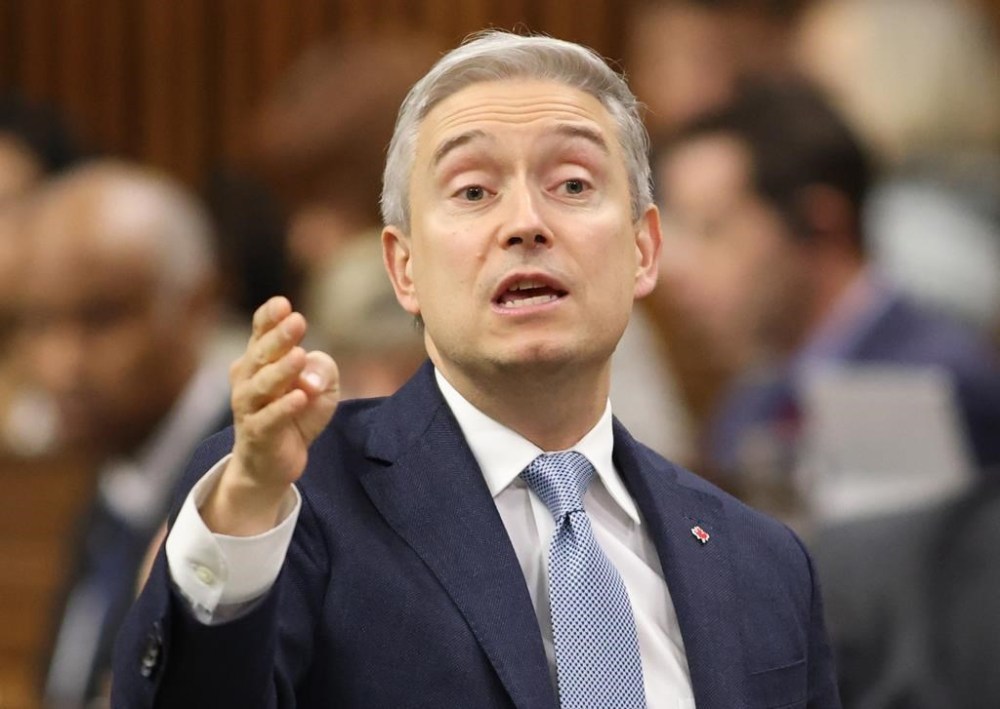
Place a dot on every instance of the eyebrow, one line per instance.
(568, 130)
(456, 142)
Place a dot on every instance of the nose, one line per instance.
(524, 225)
(536, 240)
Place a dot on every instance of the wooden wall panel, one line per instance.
(115, 78)
(237, 85)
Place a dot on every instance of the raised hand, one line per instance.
(282, 398)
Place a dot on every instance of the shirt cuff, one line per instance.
(216, 571)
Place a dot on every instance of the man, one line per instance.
(118, 314)
(687, 57)
(519, 229)
(766, 253)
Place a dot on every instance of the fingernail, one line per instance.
(314, 380)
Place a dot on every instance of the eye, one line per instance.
(473, 193)
(575, 186)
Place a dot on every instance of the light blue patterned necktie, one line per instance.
(597, 651)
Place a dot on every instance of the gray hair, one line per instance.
(495, 55)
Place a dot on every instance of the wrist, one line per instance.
(241, 506)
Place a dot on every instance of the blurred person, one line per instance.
(377, 344)
(911, 76)
(685, 57)
(912, 604)
(645, 392)
(36, 435)
(319, 139)
(764, 250)
(918, 79)
(35, 143)
(118, 325)
(41, 484)
(393, 552)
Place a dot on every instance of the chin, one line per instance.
(548, 355)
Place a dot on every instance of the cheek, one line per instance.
(448, 262)
(134, 353)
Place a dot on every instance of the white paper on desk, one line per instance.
(881, 438)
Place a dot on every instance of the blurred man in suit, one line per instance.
(118, 313)
(396, 554)
(765, 251)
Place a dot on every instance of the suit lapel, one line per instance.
(699, 575)
(433, 495)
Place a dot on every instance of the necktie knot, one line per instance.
(560, 481)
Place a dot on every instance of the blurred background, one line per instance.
(823, 342)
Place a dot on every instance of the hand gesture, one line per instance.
(282, 398)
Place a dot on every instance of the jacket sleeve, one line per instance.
(166, 657)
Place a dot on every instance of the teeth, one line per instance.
(526, 302)
(525, 285)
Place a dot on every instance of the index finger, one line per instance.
(276, 309)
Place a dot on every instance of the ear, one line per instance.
(200, 307)
(831, 219)
(397, 255)
(648, 241)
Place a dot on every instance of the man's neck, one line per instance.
(830, 284)
(551, 406)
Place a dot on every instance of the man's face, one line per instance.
(522, 250)
(95, 335)
(729, 261)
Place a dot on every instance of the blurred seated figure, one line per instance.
(919, 80)
(377, 344)
(34, 144)
(319, 138)
(764, 250)
(685, 57)
(42, 488)
(118, 324)
(644, 388)
(912, 604)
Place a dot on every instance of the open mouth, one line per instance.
(526, 293)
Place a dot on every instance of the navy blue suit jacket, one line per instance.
(402, 589)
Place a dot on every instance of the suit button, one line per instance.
(151, 655)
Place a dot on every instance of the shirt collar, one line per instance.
(502, 453)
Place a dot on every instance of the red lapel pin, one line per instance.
(700, 534)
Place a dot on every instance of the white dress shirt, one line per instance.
(219, 574)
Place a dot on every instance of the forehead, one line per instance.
(525, 106)
(705, 165)
(75, 255)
